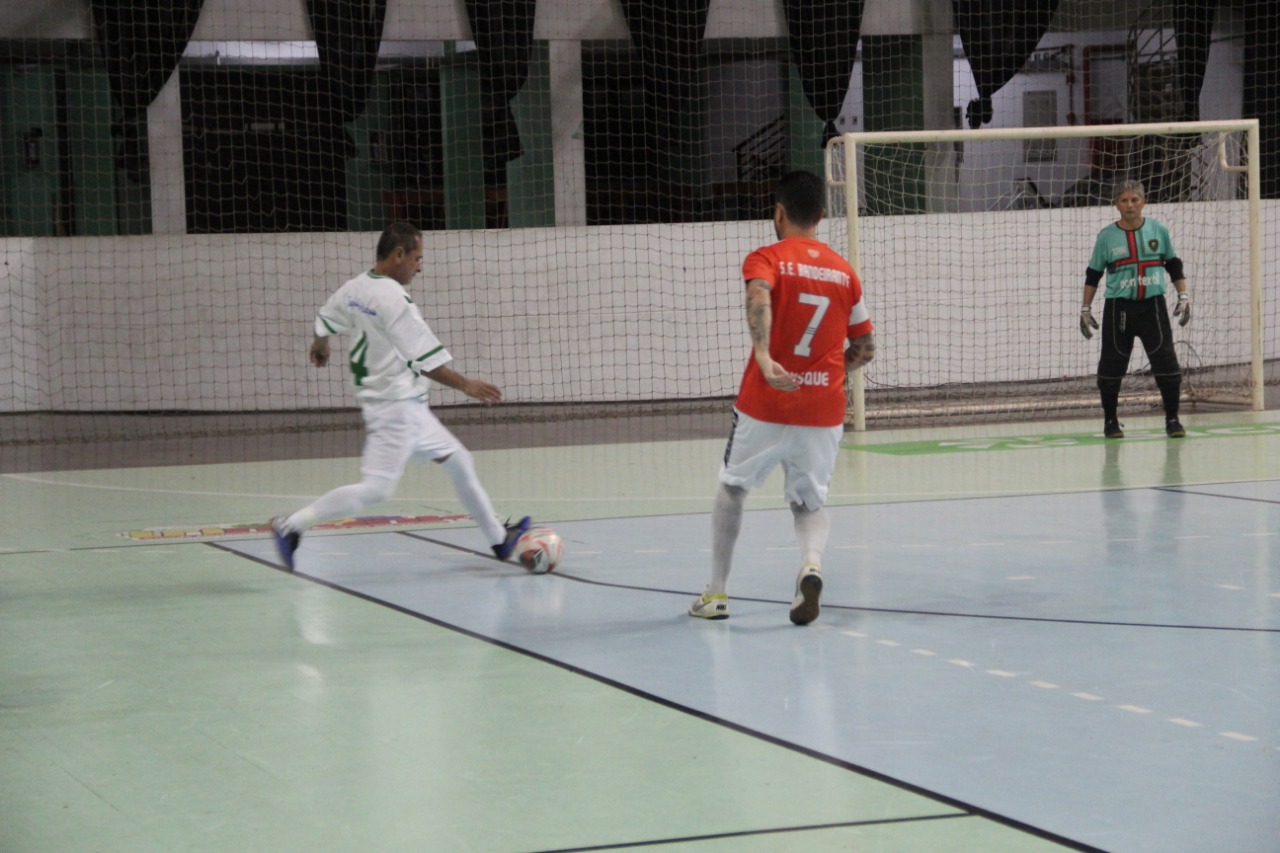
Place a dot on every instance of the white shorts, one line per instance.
(399, 431)
(807, 456)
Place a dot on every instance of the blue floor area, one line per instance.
(1098, 668)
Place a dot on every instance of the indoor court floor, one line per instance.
(1032, 640)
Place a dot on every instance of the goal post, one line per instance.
(972, 246)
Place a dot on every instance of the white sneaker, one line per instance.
(711, 606)
(805, 607)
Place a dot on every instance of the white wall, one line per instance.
(222, 323)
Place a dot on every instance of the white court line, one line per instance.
(1048, 685)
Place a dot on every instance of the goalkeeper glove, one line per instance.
(1087, 322)
(1183, 309)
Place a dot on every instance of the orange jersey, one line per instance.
(816, 299)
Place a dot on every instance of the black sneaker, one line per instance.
(286, 543)
(1111, 429)
(1173, 428)
(805, 606)
(504, 549)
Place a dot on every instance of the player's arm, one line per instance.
(1087, 323)
(860, 351)
(474, 388)
(1173, 266)
(760, 324)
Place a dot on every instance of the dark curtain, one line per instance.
(347, 35)
(503, 33)
(668, 35)
(141, 42)
(1262, 87)
(998, 36)
(1193, 27)
(823, 40)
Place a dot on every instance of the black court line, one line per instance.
(781, 830)
(855, 609)
(1190, 490)
(867, 772)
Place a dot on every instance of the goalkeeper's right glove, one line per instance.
(1087, 321)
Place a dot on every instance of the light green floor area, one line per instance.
(77, 509)
(191, 700)
(166, 695)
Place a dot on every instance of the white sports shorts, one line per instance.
(807, 456)
(398, 431)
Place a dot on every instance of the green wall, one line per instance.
(27, 103)
(29, 196)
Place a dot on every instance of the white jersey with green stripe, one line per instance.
(392, 344)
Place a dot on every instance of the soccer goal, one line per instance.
(972, 246)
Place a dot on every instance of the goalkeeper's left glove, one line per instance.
(1087, 322)
(1183, 309)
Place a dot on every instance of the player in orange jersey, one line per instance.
(809, 327)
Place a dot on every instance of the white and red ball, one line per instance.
(540, 550)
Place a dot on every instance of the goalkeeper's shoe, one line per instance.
(711, 606)
(504, 549)
(286, 542)
(1111, 429)
(805, 607)
(1173, 428)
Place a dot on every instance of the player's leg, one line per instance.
(807, 471)
(438, 444)
(1157, 339)
(813, 528)
(1113, 362)
(726, 524)
(388, 443)
(750, 454)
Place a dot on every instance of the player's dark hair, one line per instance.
(398, 235)
(802, 196)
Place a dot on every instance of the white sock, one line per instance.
(461, 469)
(812, 530)
(726, 523)
(341, 502)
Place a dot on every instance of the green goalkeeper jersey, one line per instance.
(1134, 260)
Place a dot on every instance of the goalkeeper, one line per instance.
(1136, 254)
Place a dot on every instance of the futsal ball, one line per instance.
(540, 550)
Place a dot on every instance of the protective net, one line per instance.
(183, 184)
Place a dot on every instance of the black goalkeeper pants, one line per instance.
(1147, 320)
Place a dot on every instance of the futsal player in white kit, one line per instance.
(393, 355)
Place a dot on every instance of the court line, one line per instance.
(747, 833)
(862, 497)
(867, 772)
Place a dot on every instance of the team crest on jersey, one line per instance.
(1153, 244)
(813, 253)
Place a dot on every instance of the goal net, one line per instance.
(973, 246)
